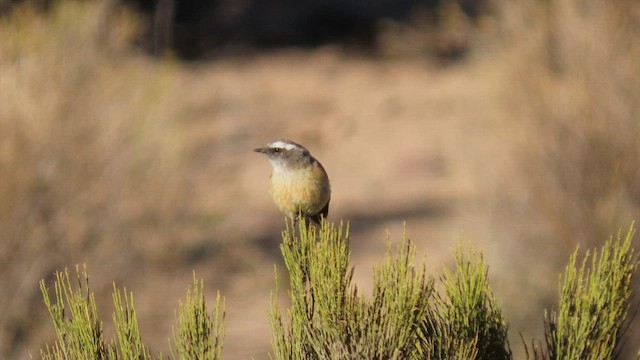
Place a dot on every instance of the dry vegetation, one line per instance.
(89, 158)
(575, 80)
(141, 168)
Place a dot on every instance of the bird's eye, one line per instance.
(277, 150)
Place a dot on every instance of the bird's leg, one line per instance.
(295, 227)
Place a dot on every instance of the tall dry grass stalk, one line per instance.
(89, 159)
(574, 80)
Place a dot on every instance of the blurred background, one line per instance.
(126, 130)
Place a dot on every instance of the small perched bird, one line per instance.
(299, 185)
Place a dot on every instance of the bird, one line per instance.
(299, 184)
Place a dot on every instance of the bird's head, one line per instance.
(286, 154)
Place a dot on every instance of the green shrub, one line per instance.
(199, 334)
(79, 332)
(75, 319)
(405, 318)
(594, 303)
(329, 320)
(469, 313)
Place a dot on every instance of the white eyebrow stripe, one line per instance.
(282, 144)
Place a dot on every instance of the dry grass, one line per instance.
(573, 84)
(89, 158)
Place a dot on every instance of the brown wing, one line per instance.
(322, 214)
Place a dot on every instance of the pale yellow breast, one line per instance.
(305, 190)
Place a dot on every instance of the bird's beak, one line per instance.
(260, 150)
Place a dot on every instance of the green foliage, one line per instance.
(127, 330)
(439, 341)
(402, 294)
(79, 331)
(404, 319)
(594, 303)
(75, 318)
(468, 322)
(330, 320)
(407, 319)
(199, 334)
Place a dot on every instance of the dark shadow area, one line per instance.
(359, 222)
(269, 240)
(208, 29)
(197, 29)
